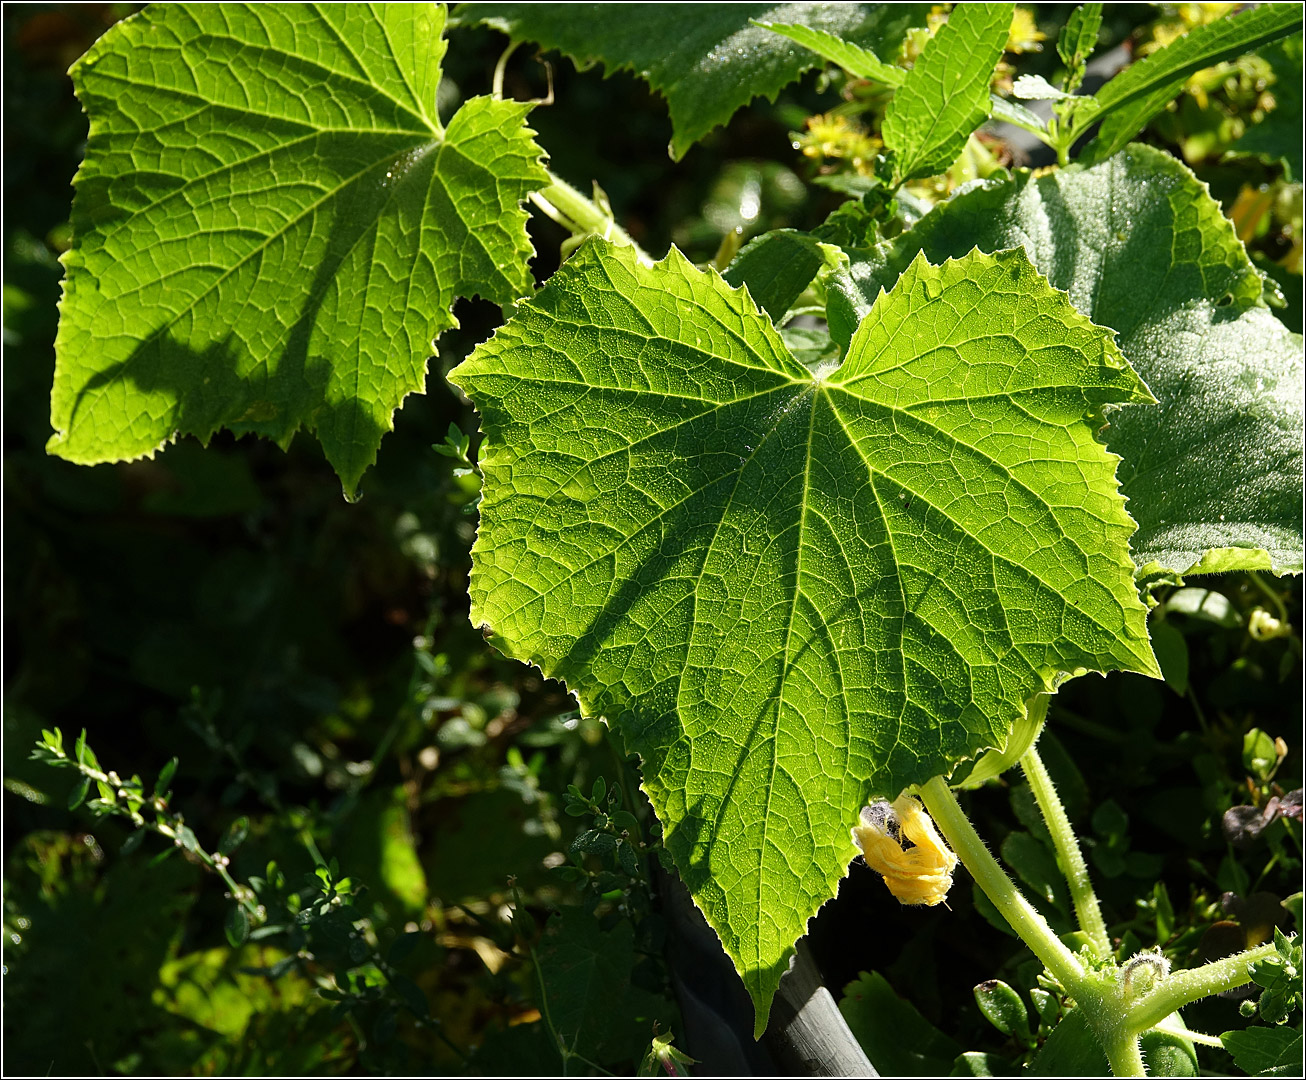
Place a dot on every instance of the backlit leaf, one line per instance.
(271, 224)
(790, 590)
(945, 97)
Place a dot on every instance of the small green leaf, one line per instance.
(1171, 649)
(1014, 113)
(738, 561)
(777, 267)
(1141, 91)
(165, 778)
(945, 97)
(855, 60)
(708, 64)
(78, 793)
(456, 443)
(133, 841)
(1078, 38)
(237, 926)
(1265, 1051)
(1168, 1054)
(235, 835)
(1002, 1008)
(271, 225)
(898, 1040)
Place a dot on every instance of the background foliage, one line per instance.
(312, 667)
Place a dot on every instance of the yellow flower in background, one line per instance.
(1024, 35)
(832, 136)
(900, 843)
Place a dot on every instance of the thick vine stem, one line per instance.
(1071, 858)
(1019, 912)
(573, 211)
(1181, 988)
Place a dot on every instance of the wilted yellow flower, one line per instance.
(899, 842)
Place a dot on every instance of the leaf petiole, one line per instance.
(1069, 856)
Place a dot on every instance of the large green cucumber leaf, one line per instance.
(271, 225)
(707, 60)
(945, 96)
(790, 590)
(1214, 476)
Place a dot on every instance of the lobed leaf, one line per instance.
(707, 60)
(271, 225)
(1214, 477)
(945, 97)
(1141, 91)
(791, 590)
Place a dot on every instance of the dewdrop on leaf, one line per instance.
(899, 842)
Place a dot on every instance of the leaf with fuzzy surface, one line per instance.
(271, 225)
(791, 590)
(1214, 476)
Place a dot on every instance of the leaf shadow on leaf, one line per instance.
(162, 365)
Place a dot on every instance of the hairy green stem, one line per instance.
(1019, 912)
(1181, 988)
(573, 211)
(1069, 855)
(1123, 1053)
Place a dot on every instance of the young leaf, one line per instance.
(946, 95)
(271, 224)
(792, 590)
(707, 64)
(1077, 41)
(1214, 477)
(852, 58)
(237, 926)
(1139, 92)
(78, 793)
